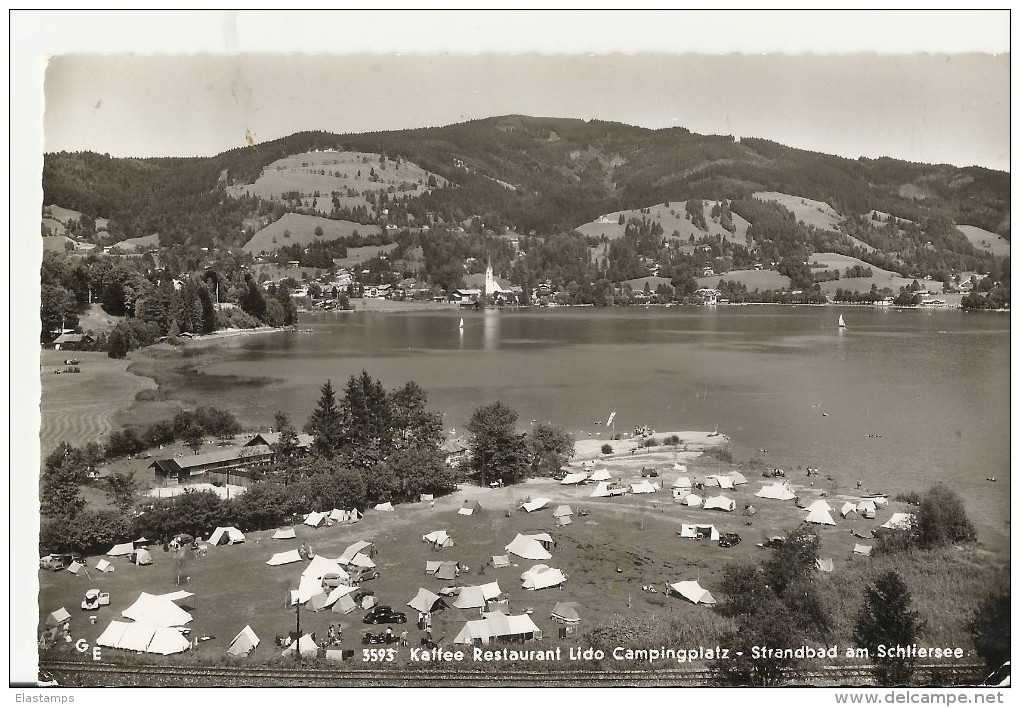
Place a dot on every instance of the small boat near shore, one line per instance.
(842, 324)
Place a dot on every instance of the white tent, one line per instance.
(143, 557)
(900, 521)
(227, 535)
(339, 593)
(576, 477)
(439, 538)
(820, 505)
(693, 592)
(308, 587)
(306, 645)
(777, 491)
(496, 624)
(824, 565)
(426, 602)
(320, 566)
(682, 482)
(343, 604)
(315, 519)
(362, 546)
(862, 549)
(338, 515)
(384, 506)
(362, 560)
(605, 489)
(866, 508)
(847, 509)
(156, 611)
(643, 487)
(112, 634)
(819, 516)
(562, 511)
(600, 475)
(500, 561)
(879, 501)
(244, 642)
(563, 520)
(166, 641)
(75, 567)
(692, 499)
(721, 481)
(538, 503)
(284, 534)
(470, 508)
(694, 531)
(475, 597)
(682, 468)
(542, 577)
(720, 503)
(528, 547)
(104, 566)
(122, 549)
(737, 478)
(58, 617)
(284, 558)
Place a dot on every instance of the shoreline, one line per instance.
(631, 447)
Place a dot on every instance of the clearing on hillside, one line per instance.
(139, 243)
(881, 278)
(751, 279)
(985, 240)
(302, 230)
(813, 213)
(59, 213)
(672, 218)
(638, 284)
(348, 173)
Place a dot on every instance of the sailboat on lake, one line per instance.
(462, 322)
(842, 324)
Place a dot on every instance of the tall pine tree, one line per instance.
(326, 423)
(887, 620)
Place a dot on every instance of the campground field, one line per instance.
(620, 546)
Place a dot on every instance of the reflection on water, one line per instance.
(936, 388)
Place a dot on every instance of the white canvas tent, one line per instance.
(284, 534)
(156, 611)
(542, 577)
(737, 478)
(562, 511)
(693, 592)
(498, 625)
(167, 641)
(75, 567)
(777, 491)
(122, 549)
(605, 489)
(104, 566)
(600, 475)
(305, 645)
(142, 557)
(320, 566)
(682, 468)
(900, 521)
(819, 516)
(315, 519)
(470, 508)
(438, 538)
(360, 547)
(824, 565)
(143, 638)
(643, 487)
(58, 617)
(338, 515)
(500, 561)
(426, 602)
(866, 508)
(244, 642)
(362, 560)
(535, 505)
(724, 482)
(307, 588)
(384, 506)
(879, 501)
(862, 549)
(720, 503)
(528, 547)
(563, 520)
(577, 477)
(228, 536)
(820, 505)
(284, 558)
(694, 531)
(476, 597)
(343, 604)
(847, 509)
(683, 482)
(692, 499)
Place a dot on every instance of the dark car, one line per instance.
(729, 540)
(646, 472)
(372, 638)
(384, 615)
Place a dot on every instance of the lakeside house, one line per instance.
(455, 452)
(179, 470)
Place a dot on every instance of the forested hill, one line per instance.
(546, 175)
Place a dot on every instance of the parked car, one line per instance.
(648, 472)
(95, 599)
(59, 561)
(332, 580)
(384, 615)
(729, 540)
(362, 575)
(370, 637)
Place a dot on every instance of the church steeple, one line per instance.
(490, 281)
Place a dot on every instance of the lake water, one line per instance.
(933, 384)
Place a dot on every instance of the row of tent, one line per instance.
(716, 503)
(725, 481)
(585, 476)
(358, 554)
(157, 620)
